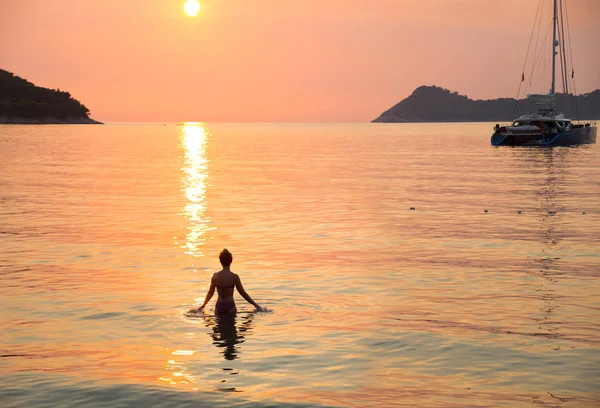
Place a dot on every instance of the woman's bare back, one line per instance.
(225, 282)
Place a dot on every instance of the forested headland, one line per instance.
(23, 102)
(435, 104)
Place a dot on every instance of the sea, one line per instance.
(400, 265)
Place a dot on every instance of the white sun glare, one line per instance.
(191, 7)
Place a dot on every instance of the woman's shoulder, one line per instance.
(225, 275)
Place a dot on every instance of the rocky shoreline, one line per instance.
(12, 120)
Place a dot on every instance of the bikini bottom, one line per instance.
(224, 307)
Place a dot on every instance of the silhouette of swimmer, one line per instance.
(225, 282)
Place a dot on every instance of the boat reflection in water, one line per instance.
(549, 318)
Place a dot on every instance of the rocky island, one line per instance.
(23, 102)
(435, 104)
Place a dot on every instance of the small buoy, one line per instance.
(412, 208)
(583, 213)
(484, 210)
(519, 211)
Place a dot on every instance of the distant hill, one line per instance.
(23, 102)
(435, 104)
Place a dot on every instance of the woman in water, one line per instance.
(225, 281)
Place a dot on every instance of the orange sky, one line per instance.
(277, 60)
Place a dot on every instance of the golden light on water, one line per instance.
(504, 291)
(195, 181)
(191, 8)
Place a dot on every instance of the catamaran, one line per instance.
(544, 126)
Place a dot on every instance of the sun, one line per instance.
(191, 7)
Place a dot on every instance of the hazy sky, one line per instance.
(278, 60)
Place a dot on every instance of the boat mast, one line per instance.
(554, 43)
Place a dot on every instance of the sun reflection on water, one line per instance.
(176, 372)
(194, 140)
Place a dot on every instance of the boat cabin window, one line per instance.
(525, 123)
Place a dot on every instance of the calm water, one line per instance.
(109, 234)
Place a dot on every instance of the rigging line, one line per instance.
(537, 37)
(527, 56)
(571, 58)
(560, 54)
(544, 64)
(570, 49)
(535, 47)
(563, 49)
(541, 51)
(576, 101)
(560, 49)
(530, 38)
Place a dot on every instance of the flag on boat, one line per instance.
(573, 73)
(523, 77)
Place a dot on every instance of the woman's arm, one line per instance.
(209, 294)
(240, 288)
